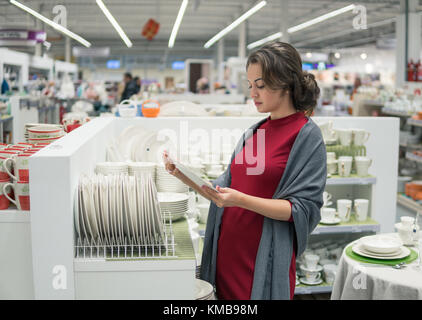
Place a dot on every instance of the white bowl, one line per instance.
(381, 244)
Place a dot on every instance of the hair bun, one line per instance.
(310, 91)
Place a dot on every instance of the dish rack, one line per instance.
(127, 248)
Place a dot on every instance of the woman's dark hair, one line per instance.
(282, 69)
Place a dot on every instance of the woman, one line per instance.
(259, 220)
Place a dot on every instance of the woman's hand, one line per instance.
(226, 197)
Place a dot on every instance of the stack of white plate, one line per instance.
(140, 168)
(168, 183)
(203, 290)
(110, 209)
(175, 204)
(381, 247)
(107, 168)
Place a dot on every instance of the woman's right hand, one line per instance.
(171, 168)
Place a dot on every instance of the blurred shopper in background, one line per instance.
(130, 87)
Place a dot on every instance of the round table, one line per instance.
(363, 281)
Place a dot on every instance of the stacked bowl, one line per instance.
(175, 204)
(141, 168)
(44, 133)
(167, 183)
(111, 168)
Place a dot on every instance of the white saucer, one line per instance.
(330, 141)
(331, 222)
(318, 268)
(304, 281)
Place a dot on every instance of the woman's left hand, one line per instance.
(226, 197)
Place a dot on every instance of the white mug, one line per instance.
(312, 276)
(361, 207)
(344, 207)
(331, 156)
(326, 129)
(360, 136)
(332, 167)
(362, 165)
(311, 261)
(327, 197)
(328, 214)
(344, 166)
(330, 271)
(345, 136)
(20, 165)
(21, 190)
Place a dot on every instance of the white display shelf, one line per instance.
(414, 122)
(348, 227)
(408, 202)
(353, 179)
(413, 157)
(393, 112)
(14, 215)
(304, 289)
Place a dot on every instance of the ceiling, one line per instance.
(202, 20)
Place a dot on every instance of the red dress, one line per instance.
(241, 229)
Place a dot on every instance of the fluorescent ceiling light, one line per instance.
(302, 25)
(319, 19)
(177, 23)
(272, 37)
(114, 23)
(51, 23)
(235, 23)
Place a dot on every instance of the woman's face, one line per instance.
(266, 100)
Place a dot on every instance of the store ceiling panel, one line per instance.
(202, 20)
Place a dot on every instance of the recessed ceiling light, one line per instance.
(363, 56)
(337, 55)
(308, 55)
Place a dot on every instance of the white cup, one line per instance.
(330, 271)
(407, 222)
(332, 166)
(326, 197)
(20, 165)
(344, 207)
(345, 136)
(331, 156)
(326, 129)
(360, 136)
(21, 191)
(361, 207)
(312, 276)
(362, 165)
(311, 261)
(203, 212)
(344, 166)
(328, 214)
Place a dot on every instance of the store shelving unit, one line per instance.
(413, 157)
(351, 180)
(54, 174)
(320, 288)
(393, 112)
(414, 122)
(408, 202)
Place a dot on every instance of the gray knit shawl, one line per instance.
(303, 183)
